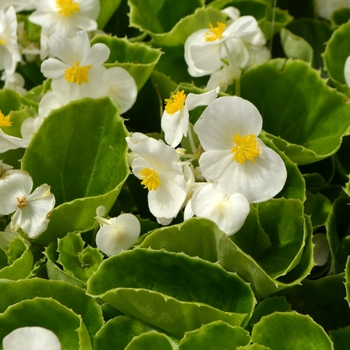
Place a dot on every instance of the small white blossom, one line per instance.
(31, 210)
(325, 8)
(234, 156)
(31, 338)
(117, 234)
(161, 173)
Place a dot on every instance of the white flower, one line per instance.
(9, 53)
(19, 5)
(227, 211)
(64, 17)
(325, 8)
(31, 338)
(32, 211)
(121, 87)
(234, 156)
(117, 234)
(14, 82)
(161, 173)
(224, 77)
(175, 117)
(79, 70)
(347, 71)
(8, 142)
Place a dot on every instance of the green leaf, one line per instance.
(80, 152)
(207, 337)
(107, 8)
(336, 52)
(13, 101)
(323, 299)
(118, 332)
(253, 347)
(340, 338)
(184, 292)
(306, 117)
(74, 298)
(68, 326)
(289, 330)
(347, 280)
(138, 59)
(76, 260)
(340, 16)
(152, 341)
(296, 47)
(318, 207)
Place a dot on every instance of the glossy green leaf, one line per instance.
(340, 16)
(118, 332)
(50, 314)
(289, 330)
(72, 297)
(76, 260)
(137, 58)
(184, 292)
(296, 47)
(207, 337)
(340, 338)
(305, 118)
(336, 52)
(318, 207)
(84, 143)
(347, 280)
(151, 341)
(253, 347)
(107, 8)
(12, 101)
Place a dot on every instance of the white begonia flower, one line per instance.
(325, 8)
(8, 142)
(64, 17)
(14, 82)
(227, 211)
(9, 53)
(223, 77)
(347, 71)
(79, 70)
(19, 5)
(175, 118)
(31, 210)
(121, 87)
(234, 156)
(161, 173)
(31, 338)
(117, 234)
(321, 248)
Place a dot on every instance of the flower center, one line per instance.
(4, 121)
(246, 147)
(67, 7)
(77, 74)
(150, 179)
(22, 202)
(175, 103)
(2, 42)
(215, 33)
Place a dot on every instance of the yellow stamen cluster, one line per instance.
(4, 121)
(22, 202)
(2, 42)
(150, 179)
(246, 147)
(175, 103)
(77, 74)
(215, 33)
(67, 7)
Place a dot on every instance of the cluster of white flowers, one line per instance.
(222, 51)
(235, 167)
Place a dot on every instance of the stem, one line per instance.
(190, 138)
(272, 23)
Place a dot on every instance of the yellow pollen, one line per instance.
(4, 121)
(246, 147)
(67, 7)
(175, 103)
(22, 202)
(2, 42)
(77, 74)
(150, 179)
(215, 33)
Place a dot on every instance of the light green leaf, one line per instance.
(289, 330)
(253, 347)
(295, 46)
(217, 335)
(184, 292)
(72, 297)
(12, 101)
(305, 117)
(152, 341)
(138, 59)
(80, 152)
(347, 280)
(340, 338)
(76, 260)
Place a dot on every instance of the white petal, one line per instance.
(8, 142)
(321, 249)
(121, 235)
(121, 87)
(347, 71)
(173, 126)
(98, 54)
(195, 100)
(13, 184)
(31, 338)
(207, 57)
(53, 68)
(228, 212)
